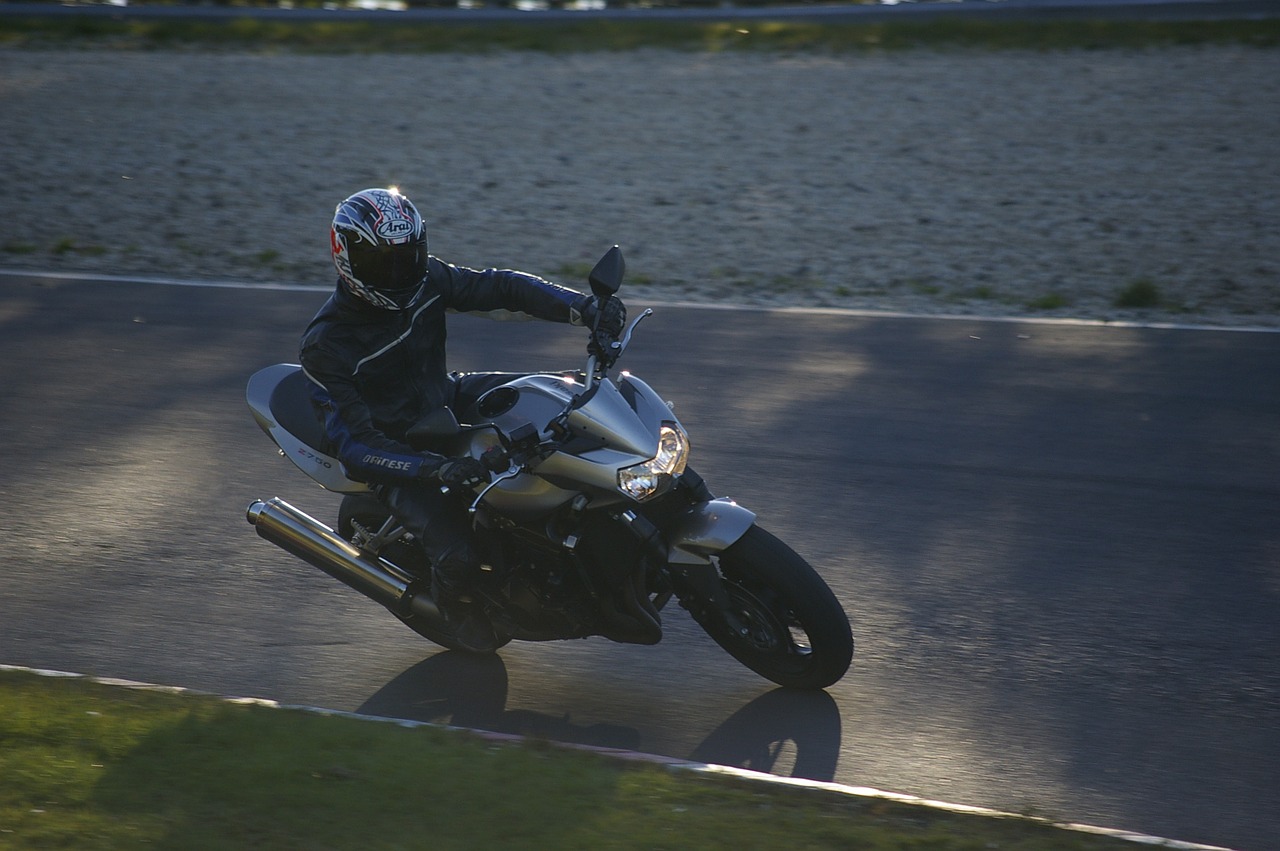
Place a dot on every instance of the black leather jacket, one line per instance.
(378, 372)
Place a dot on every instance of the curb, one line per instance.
(673, 763)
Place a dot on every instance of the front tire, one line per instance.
(786, 624)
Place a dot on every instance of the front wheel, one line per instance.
(783, 621)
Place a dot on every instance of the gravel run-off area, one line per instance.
(961, 181)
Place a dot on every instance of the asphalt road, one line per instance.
(1059, 546)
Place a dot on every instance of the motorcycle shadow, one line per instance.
(784, 732)
(791, 733)
(462, 690)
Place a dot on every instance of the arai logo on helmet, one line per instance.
(395, 228)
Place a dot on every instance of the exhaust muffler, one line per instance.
(298, 533)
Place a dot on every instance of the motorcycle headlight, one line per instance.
(647, 480)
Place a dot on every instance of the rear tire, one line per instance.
(791, 628)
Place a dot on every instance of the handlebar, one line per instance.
(525, 444)
(594, 368)
(496, 459)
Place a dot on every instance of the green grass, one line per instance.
(1140, 293)
(67, 245)
(559, 36)
(1049, 301)
(89, 766)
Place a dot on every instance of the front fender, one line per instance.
(707, 528)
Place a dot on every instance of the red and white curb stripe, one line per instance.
(671, 762)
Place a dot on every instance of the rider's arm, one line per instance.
(366, 453)
(502, 293)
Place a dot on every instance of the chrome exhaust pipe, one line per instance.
(319, 546)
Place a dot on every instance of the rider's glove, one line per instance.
(464, 472)
(607, 321)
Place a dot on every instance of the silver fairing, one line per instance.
(618, 427)
(278, 392)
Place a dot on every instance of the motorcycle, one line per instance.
(592, 522)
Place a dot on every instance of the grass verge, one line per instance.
(589, 34)
(87, 765)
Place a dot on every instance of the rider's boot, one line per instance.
(455, 573)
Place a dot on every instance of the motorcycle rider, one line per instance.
(375, 354)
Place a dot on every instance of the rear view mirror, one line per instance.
(606, 277)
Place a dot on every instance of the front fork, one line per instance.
(689, 538)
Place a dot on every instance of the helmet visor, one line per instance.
(396, 271)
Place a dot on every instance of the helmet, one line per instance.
(379, 247)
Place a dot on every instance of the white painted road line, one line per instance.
(816, 311)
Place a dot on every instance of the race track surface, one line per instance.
(1057, 545)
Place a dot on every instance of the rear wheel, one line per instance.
(364, 512)
(785, 623)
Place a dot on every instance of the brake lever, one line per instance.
(524, 452)
(501, 477)
(621, 345)
(618, 346)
